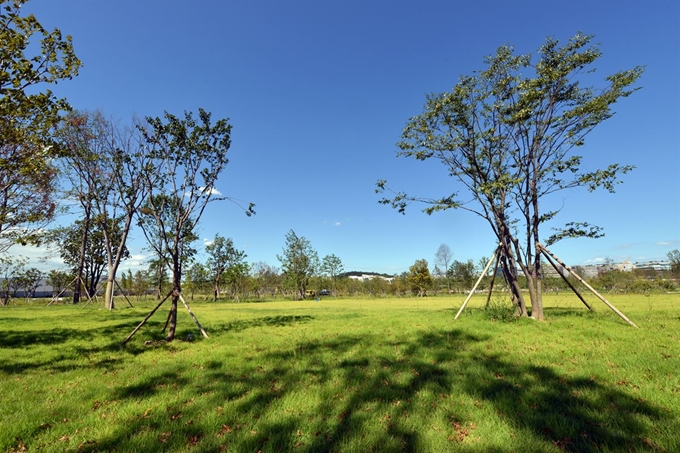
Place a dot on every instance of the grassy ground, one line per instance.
(385, 375)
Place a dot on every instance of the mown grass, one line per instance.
(386, 375)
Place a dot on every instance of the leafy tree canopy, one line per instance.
(508, 136)
(30, 58)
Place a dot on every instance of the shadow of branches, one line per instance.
(338, 392)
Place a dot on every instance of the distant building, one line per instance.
(366, 277)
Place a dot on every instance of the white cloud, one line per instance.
(213, 191)
(666, 243)
(596, 260)
(337, 224)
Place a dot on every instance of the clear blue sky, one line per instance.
(319, 91)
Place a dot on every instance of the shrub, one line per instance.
(500, 309)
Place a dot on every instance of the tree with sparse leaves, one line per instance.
(674, 260)
(508, 136)
(442, 258)
(187, 155)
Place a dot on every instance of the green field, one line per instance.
(353, 375)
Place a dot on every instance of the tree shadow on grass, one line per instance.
(67, 348)
(266, 321)
(356, 399)
(572, 413)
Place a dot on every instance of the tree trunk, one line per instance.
(108, 297)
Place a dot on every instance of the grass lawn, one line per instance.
(352, 375)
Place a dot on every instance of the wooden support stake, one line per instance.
(122, 292)
(573, 288)
(147, 318)
(493, 279)
(55, 298)
(192, 315)
(96, 290)
(614, 309)
(486, 269)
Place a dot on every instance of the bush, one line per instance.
(500, 310)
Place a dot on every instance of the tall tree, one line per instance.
(508, 135)
(31, 58)
(419, 277)
(299, 262)
(442, 260)
(109, 164)
(222, 255)
(188, 155)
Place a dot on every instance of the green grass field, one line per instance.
(354, 375)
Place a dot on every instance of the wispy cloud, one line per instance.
(595, 260)
(666, 243)
(337, 224)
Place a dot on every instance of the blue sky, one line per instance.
(319, 91)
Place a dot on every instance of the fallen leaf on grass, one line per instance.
(194, 440)
(163, 437)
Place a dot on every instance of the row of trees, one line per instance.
(158, 173)
(507, 135)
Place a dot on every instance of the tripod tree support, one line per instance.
(203, 332)
(123, 292)
(546, 252)
(566, 280)
(493, 279)
(147, 318)
(481, 276)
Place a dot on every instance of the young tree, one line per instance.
(298, 262)
(331, 266)
(188, 155)
(10, 269)
(140, 283)
(29, 280)
(442, 259)
(463, 273)
(674, 260)
(222, 255)
(237, 277)
(508, 136)
(265, 278)
(31, 57)
(58, 280)
(419, 277)
(196, 278)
